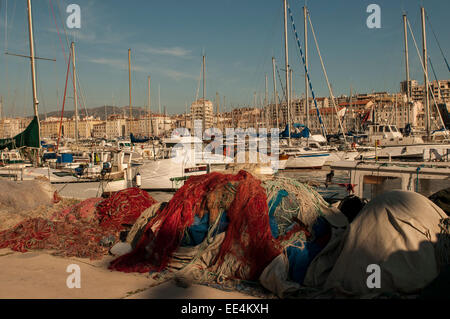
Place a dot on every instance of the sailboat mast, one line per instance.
(129, 85)
(106, 122)
(286, 61)
(217, 108)
(224, 106)
(395, 112)
(305, 15)
(266, 103)
(425, 65)
(159, 99)
(408, 89)
(33, 68)
(275, 95)
(75, 98)
(255, 102)
(185, 114)
(290, 93)
(149, 112)
(204, 104)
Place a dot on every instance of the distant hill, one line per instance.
(97, 112)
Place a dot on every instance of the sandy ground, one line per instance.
(38, 275)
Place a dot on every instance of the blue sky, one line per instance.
(239, 38)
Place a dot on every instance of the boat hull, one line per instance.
(307, 161)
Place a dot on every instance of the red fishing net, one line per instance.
(248, 237)
(78, 230)
(123, 207)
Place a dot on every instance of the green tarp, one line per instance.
(29, 137)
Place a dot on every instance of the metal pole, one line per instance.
(305, 15)
(286, 56)
(204, 104)
(33, 68)
(217, 108)
(165, 115)
(290, 94)
(425, 65)
(224, 106)
(149, 113)
(266, 102)
(408, 89)
(75, 97)
(275, 95)
(129, 85)
(351, 108)
(106, 123)
(395, 112)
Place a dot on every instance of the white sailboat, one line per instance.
(301, 155)
(185, 157)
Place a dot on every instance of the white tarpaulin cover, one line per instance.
(397, 231)
(275, 276)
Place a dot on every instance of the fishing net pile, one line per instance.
(290, 200)
(19, 200)
(25, 195)
(222, 226)
(248, 236)
(295, 206)
(83, 230)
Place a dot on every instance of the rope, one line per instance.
(324, 131)
(64, 102)
(426, 74)
(57, 29)
(437, 41)
(435, 76)
(326, 78)
(281, 84)
(63, 24)
(6, 25)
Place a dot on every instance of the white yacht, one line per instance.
(303, 157)
(184, 158)
(389, 142)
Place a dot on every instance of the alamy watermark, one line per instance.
(238, 146)
(374, 19)
(74, 19)
(74, 279)
(374, 279)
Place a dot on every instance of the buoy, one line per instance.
(138, 180)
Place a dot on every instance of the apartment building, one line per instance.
(198, 113)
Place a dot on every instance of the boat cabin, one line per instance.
(383, 133)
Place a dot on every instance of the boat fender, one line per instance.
(138, 180)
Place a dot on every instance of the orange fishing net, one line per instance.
(78, 230)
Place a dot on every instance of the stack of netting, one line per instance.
(248, 238)
(228, 225)
(295, 205)
(79, 230)
(290, 200)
